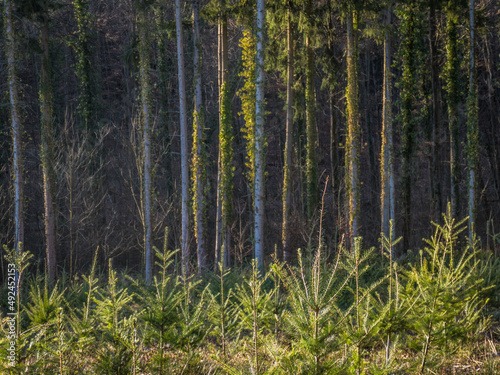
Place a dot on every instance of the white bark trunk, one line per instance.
(16, 129)
(259, 140)
(184, 135)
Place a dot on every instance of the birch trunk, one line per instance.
(387, 168)
(16, 129)
(184, 135)
(352, 141)
(47, 145)
(259, 139)
(287, 192)
(146, 114)
(198, 158)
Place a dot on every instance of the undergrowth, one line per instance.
(365, 313)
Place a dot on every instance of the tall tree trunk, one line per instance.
(184, 135)
(311, 148)
(218, 218)
(198, 152)
(47, 152)
(387, 165)
(17, 168)
(408, 122)
(352, 138)
(287, 189)
(472, 124)
(225, 162)
(88, 101)
(147, 120)
(492, 139)
(163, 68)
(259, 139)
(436, 117)
(452, 77)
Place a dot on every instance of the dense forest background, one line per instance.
(97, 158)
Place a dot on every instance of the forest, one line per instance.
(250, 186)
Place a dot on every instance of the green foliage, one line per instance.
(313, 319)
(255, 312)
(328, 318)
(161, 300)
(88, 99)
(222, 315)
(448, 307)
(363, 324)
(226, 154)
(247, 96)
(114, 328)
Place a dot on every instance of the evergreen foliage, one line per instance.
(313, 295)
(317, 318)
(448, 305)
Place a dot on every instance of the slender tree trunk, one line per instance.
(146, 114)
(387, 166)
(492, 139)
(287, 189)
(352, 139)
(259, 139)
(163, 68)
(436, 118)
(218, 219)
(198, 152)
(225, 163)
(334, 160)
(184, 147)
(408, 122)
(88, 93)
(47, 153)
(452, 68)
(472, 124)
(312, 144)
(17, 168)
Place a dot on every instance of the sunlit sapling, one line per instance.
(191, 329)
(449, 306)
(363, 319)
(114, 328)
(161, 301)
(254, 307)
(222, 314)
(313, 318)
(43, 312)
(81, 319)
(390, 323)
